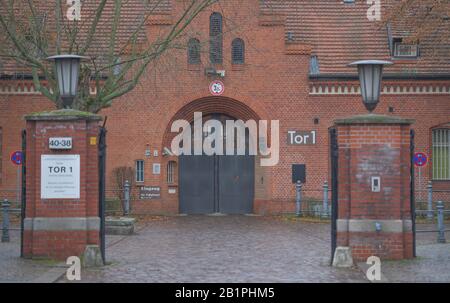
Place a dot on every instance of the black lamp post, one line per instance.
(370, 74)
(67, 69)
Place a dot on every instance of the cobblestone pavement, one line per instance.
(431, 265)
(15, 269)
(227, 249)
(222, 249)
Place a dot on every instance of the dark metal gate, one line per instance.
(334, 187)
(216, 184)
(101, 187)
(23, 196)
(197, 184)
(219, 183)
(412, 194)
(235, 176)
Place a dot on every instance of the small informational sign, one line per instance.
(60, 143)
(420, 159)
(149, 192)
(295, 137)
(17, 157)
(156, 168)
(60, 176)
(216, 88)
(172, 191)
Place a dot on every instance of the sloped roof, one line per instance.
(338, 33)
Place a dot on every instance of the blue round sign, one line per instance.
(420, 159)
(17, 157)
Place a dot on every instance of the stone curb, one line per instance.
(52, 275)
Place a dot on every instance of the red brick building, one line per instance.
(282, 60)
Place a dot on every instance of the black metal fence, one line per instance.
(432, 205)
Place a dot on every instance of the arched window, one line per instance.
(194, 51)
(238, 51)
(215, 38)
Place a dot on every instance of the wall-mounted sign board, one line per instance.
(60, 143)
(295, 137)
(60, 176)
(149, 192)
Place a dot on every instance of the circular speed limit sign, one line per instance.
(216, 88)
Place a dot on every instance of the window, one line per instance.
(1, 153)
(405, 50)
(194, 51)
(156, 168)
(215, 38)
(140, 171)
(238, 51)
(441, 154)
(314, 65)
(171, 172)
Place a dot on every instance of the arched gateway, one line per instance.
(218, 183)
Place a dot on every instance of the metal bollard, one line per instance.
(298, 199)
(325, 200)
(126, 198)
(440, 211)
(5, 214)
(430, 201)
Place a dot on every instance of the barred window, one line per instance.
(1, 154)
(441, 154)
(194, 51)
(238, 51)
(216, 40)
(171, 172)
(140, 171)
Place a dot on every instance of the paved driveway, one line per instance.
(222, 249)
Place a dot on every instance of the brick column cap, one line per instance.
(63, 115)
(373, 119)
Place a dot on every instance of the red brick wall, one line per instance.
(64, 243)
(393, 246)
(374, 150)
(367, 150)
(273, 83)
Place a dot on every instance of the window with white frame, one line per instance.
(139, 170)
(404, 50)
(441, 154)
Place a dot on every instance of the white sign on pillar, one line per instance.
(60, 176)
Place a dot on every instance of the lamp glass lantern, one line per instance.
(370, 74)
(67, 70)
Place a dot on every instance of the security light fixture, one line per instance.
(210, 71)
(67, 70)
(370, 74)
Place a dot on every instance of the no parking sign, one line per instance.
(420, 159)
(17, 158)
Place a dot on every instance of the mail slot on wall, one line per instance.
(298, 173)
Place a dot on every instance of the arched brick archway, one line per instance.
(227, 181)
(207, 106)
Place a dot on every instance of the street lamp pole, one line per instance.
(67, 70)
(370, 74)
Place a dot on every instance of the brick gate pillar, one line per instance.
(62, 213)
(374, 213)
